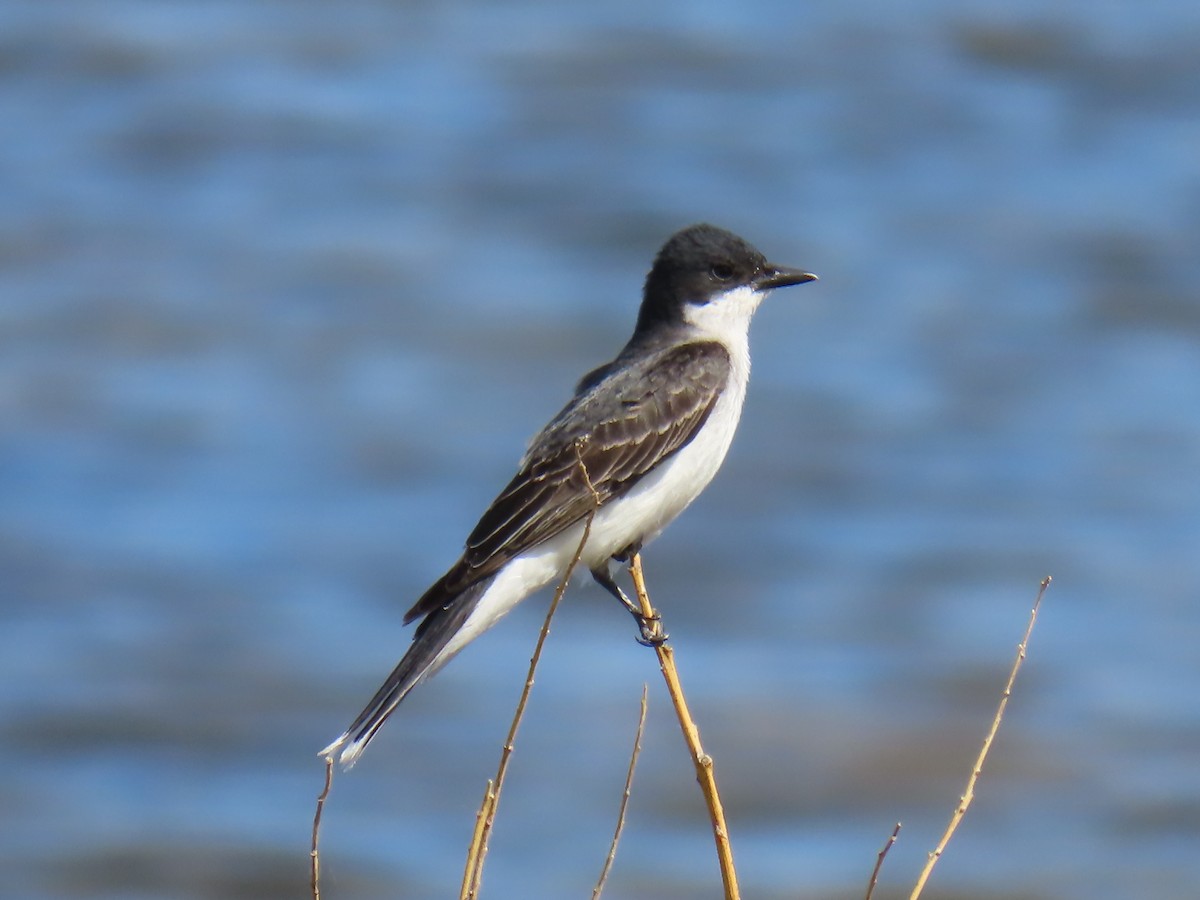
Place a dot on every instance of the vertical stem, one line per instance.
(701, 760)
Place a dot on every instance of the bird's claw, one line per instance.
(652, 634)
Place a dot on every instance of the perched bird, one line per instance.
(642, 437)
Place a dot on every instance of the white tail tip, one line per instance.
(349, 753)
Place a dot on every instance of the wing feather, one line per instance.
(646, 412)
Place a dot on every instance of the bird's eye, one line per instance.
(721, 271)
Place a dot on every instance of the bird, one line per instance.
(640, 439)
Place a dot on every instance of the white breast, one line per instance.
(658, 498)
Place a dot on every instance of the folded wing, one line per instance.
(645, 413)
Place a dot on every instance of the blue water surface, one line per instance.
(285, 287)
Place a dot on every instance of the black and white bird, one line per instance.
(642, 437)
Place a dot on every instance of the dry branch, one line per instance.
(616, 838)
(701, 760)
(969, 794)
(879, 861)
(314, 855)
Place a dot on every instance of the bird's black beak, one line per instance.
(781, 276)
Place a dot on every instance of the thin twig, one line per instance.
(486, 807)
(879, 861)
(316, 830)
(616, 839)
(969, 795)
(701, 760)
(477, 852)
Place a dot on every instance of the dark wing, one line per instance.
(621, 426)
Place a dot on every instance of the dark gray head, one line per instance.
(700, 265)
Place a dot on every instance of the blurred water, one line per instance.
(256, 258)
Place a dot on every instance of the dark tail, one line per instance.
(431, 638)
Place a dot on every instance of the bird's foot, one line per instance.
(651, 628)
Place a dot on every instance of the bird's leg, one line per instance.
(604, 578)
(628, 553)
(650, 627)
(654, 635)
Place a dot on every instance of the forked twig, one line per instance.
(314, 855)
(477, 852)
(616, 839)
(879, 861)
(487, 808)
(701, 760)
(969, 795)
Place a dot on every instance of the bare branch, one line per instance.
(701, 760)
(616, 839)
(969, 795)
(316, 830)
(487, 807)
(879, 861)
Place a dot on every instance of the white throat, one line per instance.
(726, 319)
